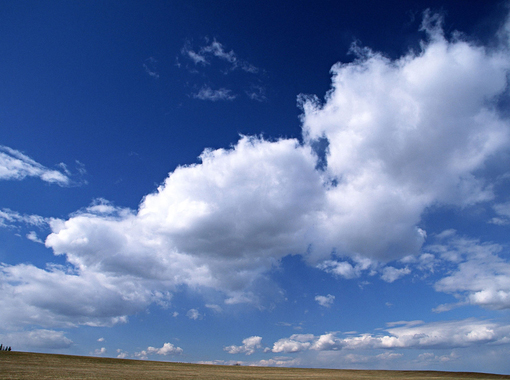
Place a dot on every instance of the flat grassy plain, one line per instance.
(27, 366)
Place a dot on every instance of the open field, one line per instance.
(24, 365)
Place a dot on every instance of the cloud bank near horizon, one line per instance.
(397, 137)
(405, 341)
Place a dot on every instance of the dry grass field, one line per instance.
(27, 366)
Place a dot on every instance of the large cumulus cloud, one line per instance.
(405, 135)
(402, 135)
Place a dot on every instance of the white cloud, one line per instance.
(122, 354)
(256, 92)
(195, 57)
(481, 276)
(216, 50)
(57, 297)
(150, 67)
(207, 93)
(99, 351)
(141, 355)
(391, 274)
(405, 135)
(213, 58)
(404, 335)
(167, 349)
(278, 362)
(248, 347)
(175, 237)
(325, 301)
(36, 339)
(216, 308)
(386, 356)
(339, 268)
(503, 211)
(14, 165)
(296, 343)
(9, 218)
(428, 357)
(193, 314)
(32, 235)
(346, 269)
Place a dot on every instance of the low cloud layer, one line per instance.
(249, 346)
(401, 135)
(399, 335)
(167, 349)
(36, 339)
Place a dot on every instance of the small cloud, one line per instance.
(193, 314)
(141, 355)
(296, 343)
(121, 354)
(150, 67)
(325, 301)
(197, 58)
(216, 308)
(207, 93)
(257, 93)
(167, 349)
(212, 58)
(248, 347)
(391, 274)
(33, 236)
(216, 50)
(175, 314)
(100, 340)
(99, 351)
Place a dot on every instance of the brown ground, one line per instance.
(27, 366)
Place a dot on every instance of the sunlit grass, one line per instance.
(27, 366)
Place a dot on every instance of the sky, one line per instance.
(293, 183)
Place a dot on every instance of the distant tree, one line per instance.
(5, 348)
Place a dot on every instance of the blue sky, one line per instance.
(312, 184)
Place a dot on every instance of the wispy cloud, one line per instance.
(215, 49)
(9, 217)
(150, 67)
(214, 58)
(14, 165)
(207, 93)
